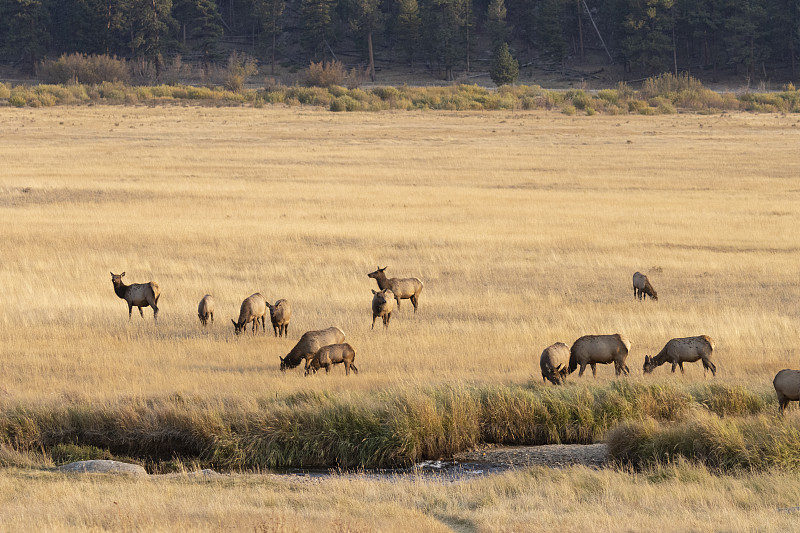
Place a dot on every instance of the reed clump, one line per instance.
(367, 430)
(722, 443)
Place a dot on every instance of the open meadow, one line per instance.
(525, 228)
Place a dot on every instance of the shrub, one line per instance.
(5, 90)
(569, 110)
(324, 75)
(240, 67)
(81, 68)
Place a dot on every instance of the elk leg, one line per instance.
(141, 313)
(680, 364)
(594, 369)
(583, 367)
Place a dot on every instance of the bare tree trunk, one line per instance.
(371, 57)
(272, 68)
(580, 31)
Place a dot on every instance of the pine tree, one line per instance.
(496, 26)
(505, 69)
(317, 17)
(24, 33)
(409, 25)
(270, 13)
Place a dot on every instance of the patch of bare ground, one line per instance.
(555, 455)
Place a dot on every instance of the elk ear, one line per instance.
(234, 323)
(122, 274)
(374, 291)
(560, 367)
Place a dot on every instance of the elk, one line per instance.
(683, 350)
(279, 315)
(253, 309)
(553, 362)
(137, 294)
(333, 354)
(309, 344)
(403, 288)
(642, 287)
(603, 349)
(382, 306)
(205, 309)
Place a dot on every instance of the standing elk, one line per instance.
(403, 288)
(382, 306)
(603, 349)
(787, 387)
(309, 344)
(683, 350)
(253, 309)
(333, 354)
(205, 309)
(279, 315)
(137, 294)
(642, 287)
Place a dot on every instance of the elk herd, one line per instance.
(327, 347)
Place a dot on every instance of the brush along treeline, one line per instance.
(392, 428)
(665, 94)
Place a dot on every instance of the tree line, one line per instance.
(750, 38)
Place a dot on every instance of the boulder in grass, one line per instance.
(99, 466)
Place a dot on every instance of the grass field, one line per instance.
(525, 228)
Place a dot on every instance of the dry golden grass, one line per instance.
(670, 499)
(525, 228)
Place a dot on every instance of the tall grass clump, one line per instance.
(82, 68)
(239, 69)
(753, 443)
(387, 429)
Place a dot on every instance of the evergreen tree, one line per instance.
(496, 26)
(366, 19)
(149, 23)
(648, 42)
(408, 26)
(270, 13)
(199, 22)
(317, 20)
(505, 69)
(24, 32)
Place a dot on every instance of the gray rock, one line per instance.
(103, 467)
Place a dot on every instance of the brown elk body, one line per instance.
(309, 344)
(382, 306)
(253, 309)
(553, 362)
(280, 314)
(642, 287)
(683, 350)
(603, 349)
(137, 294)
(787, 387)
(205, 309)
(402, 288)
(333, 354)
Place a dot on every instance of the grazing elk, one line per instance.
(553, 362)
(683, 350)
(642, 287)
(382, 306)
(787, 387)
(280, 314)
(137, 294)
(333, 354)
(403, 288)
(603, 349)
(309, 344)
(253, 309)
(205, 309)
